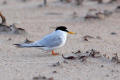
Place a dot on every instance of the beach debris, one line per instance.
(107, 13)
(102, 66)
(85, 38)
(24, 0)
(68, 1)
(42, 78)
(94, 53)
(117, 9)
(105, 56)
(16, 30)
(83, 58)
(77, 52)
(93, 14)
(61, 0)
(97, 14)
(100, 1)
(4, 28)
(27, 41)
(4, 2)
(100, 15)
(65, 62)
(76, 2)
(84, 55)
(113, 33)
(74, 15)
(45, 2)
(79, 2)
(98, 37)
(54, 13)
(3, 19)
(112, 1)
(54, 72)
(69, 57)
(115, 58)
(56, 64)
(104, 1)
(9, 39)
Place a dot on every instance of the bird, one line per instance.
(50, 42)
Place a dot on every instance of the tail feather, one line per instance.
(26, 45)
(23, 45)
(19, 45)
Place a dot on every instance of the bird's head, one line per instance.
(63, 28)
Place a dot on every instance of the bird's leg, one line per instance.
(54, 54)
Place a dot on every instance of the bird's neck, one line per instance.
(62, 33)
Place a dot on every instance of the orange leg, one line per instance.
(54, 54)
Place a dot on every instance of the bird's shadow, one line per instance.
(35, 55)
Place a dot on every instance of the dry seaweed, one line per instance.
(84, 55)
(83, 58)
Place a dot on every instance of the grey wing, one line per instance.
(51, 41)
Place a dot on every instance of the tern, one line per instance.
(51, 41)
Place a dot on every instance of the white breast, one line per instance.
(60, 36)
(63, 36)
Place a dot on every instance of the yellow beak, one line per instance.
(71, 32)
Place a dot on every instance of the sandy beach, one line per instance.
(37, 20)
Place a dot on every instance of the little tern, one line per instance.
(51, 41)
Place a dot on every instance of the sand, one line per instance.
(26, 63)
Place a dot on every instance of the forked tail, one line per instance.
(22, 45)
